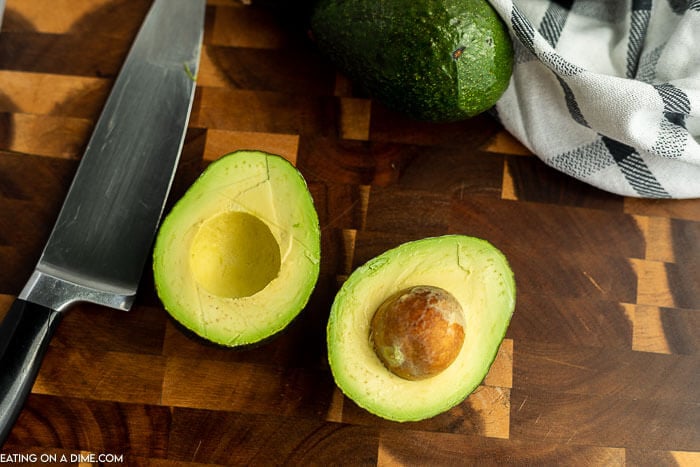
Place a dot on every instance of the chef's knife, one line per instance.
(104, 232)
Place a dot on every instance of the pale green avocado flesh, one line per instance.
(238, 256)
(473, 271)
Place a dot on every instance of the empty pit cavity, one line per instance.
(234, 255)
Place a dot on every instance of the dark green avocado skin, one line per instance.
(434, 60)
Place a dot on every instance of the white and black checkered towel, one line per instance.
(608, 91)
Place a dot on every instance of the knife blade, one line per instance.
(97, 249)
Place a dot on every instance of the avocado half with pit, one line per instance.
(238, 256)
(415, 330)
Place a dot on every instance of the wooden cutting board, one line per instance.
(601, 363)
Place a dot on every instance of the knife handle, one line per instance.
(24, 338)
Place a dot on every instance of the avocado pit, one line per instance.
(418, 332)
(234, 255)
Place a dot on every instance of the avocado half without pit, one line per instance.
(238, 256)
(415, 330)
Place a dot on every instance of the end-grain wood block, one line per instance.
(52, 136)
(5, 303)
(665, 330)
(52, 94)
(91, 327)
(651, 458)
(222, 142)
(343, 161)
(263, 111)
(501, 372)
(612, 373)
(236, 25)
(460, 171)
(69, 16)
(529, 179)
(600, 420)
(400, 447)
(287, 70)
(388, 126)
(246, 387)
(229, 438)
(536, 226)
(422, 213)
(99, 375)
(75, 423)
(354, 121)
(504, 143)
(585, 321)
(672, 285)
(340, 206)
(674, 209)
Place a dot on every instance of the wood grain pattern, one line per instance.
(601, 362)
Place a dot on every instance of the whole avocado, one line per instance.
(434, 60)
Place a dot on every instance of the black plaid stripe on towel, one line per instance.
(608, 91)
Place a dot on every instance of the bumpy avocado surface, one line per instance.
(435, 60)
(473, 271)
(238, 256)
